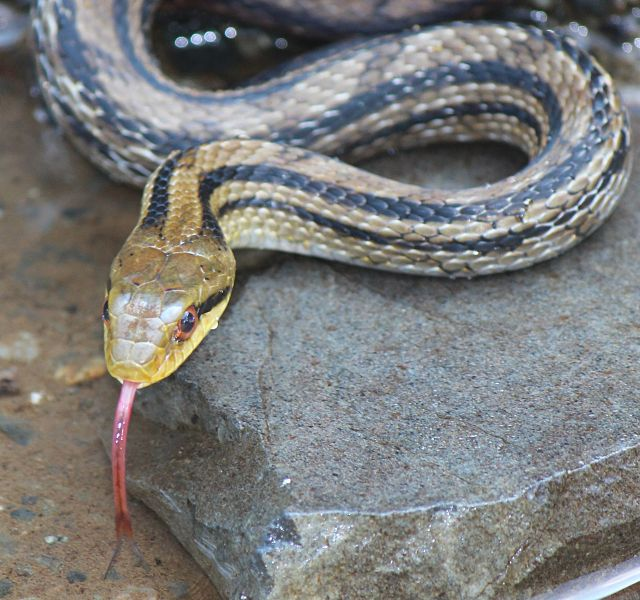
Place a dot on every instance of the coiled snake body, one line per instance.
(247, 167)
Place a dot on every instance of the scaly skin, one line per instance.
(152, 289)
(170, 264)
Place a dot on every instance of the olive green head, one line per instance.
(162, 300)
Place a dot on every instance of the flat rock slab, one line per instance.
(354, 434)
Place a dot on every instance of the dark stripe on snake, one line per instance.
(449, 112)
(392, 91)
(209, 222)
(212, 301)
(404, 208)
(160, 200)
(440, 77)
(331, 193)
(508, 241)
(617, 165)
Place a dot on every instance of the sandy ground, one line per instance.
(61, 222)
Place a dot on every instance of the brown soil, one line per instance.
(61, 222)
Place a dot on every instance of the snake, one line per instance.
(269, 165)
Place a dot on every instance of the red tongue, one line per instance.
(124, 530)
(118, 458)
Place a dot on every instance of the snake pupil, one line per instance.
(186, 325)
(187, 322)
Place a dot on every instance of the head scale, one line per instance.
(162, 300)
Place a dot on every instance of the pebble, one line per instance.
(41, 115)
(23, 514)
(54, 539)
(29, 500)
(5, 587)
(51, 562)
(34, 193)
(16, 430)
(72, 374)
(13, 25)
(74, 212)
(36, 398)
(22, 347)
(179, 589)
(76, 576)
(24, 570)
(8, 385)
(7, 545)
(137, 593)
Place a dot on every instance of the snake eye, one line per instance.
(187, 324)
(105, 311)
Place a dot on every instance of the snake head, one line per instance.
(161, 302)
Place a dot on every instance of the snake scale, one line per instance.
(250, 167)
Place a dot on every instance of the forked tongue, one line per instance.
(124, 530)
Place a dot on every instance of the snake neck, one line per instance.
(199, 193)
(179, 215)
(170, 282)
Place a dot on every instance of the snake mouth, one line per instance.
(139, 383)
(136, 350)
(134, 373)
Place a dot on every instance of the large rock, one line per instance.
(353, 434)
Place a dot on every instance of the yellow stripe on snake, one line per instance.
(247, 167)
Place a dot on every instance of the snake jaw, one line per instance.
(137, 336)
(161, 273)
(145, 349)
(150, 292)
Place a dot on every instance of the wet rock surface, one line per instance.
(348, 434)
